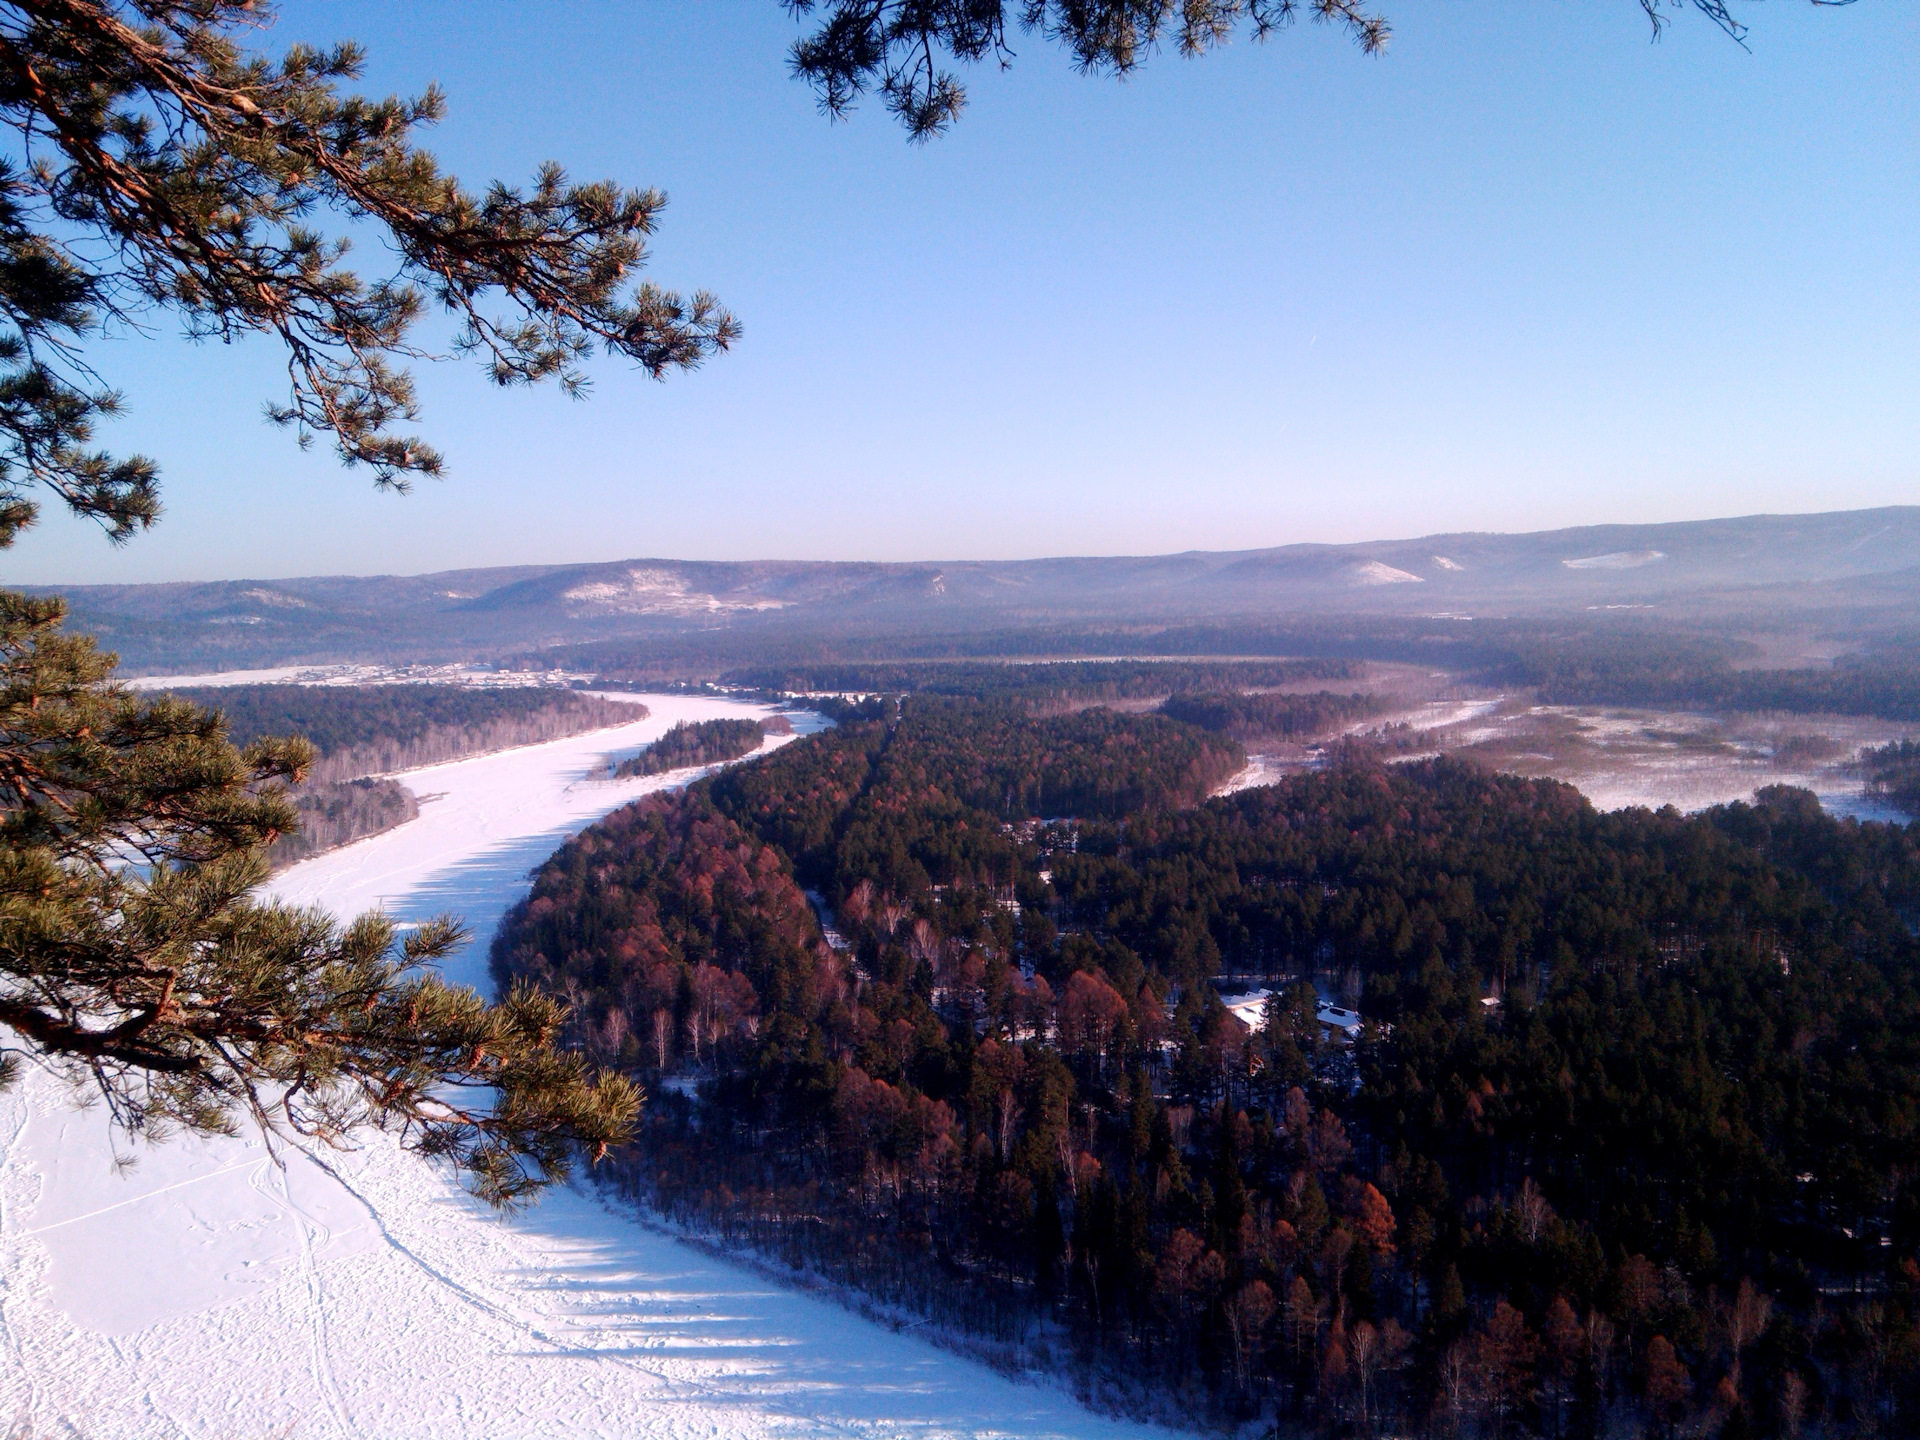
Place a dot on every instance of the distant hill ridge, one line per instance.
(1846, 557)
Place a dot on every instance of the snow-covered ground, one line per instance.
(485, 823)
(1627, 757)
(207, 1292)
(1261, 770)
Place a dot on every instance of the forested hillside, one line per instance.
(1629, 1142)
(361, 730)
(646, 619)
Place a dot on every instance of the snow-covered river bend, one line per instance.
(206, 1292)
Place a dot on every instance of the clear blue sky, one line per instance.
(1526, 270)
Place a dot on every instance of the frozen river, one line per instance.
(206, 1292)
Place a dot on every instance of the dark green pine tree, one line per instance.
(133, 956)
(159, 170)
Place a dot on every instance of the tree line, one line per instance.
(1698, 673)
(339, 812)
(701, 742)
(1564, 661)
(359, 733)
(1268, 716)
(358, 730)
(1893, 774)
(1038, 684)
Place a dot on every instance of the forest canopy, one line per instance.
(1039, 684)
(698, 742)
(1627, 1138)
(1269, 716)
(358, 730)
(1893, 774)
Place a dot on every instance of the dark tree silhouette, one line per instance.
(900, 49)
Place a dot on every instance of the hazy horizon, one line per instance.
(1062, 555)
(1524, 272)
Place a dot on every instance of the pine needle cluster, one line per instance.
(158, 168)
(900, 48)
(135, 959)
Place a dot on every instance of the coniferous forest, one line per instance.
(338, 812)
(1039, 684)
(702, 742)
(359, 733)
(358, 730)
(1893, 774)
(1272, 716)
(1626, 1142)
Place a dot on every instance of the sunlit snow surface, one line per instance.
(208, 1292)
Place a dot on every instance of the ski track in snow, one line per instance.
(206, 1291)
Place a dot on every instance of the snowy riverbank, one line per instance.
(207, 1293)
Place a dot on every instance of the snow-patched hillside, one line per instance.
(207, 1292)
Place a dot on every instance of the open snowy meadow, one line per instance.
(206, 1291)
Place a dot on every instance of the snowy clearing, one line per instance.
(207, 1292)
(1620, 757)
